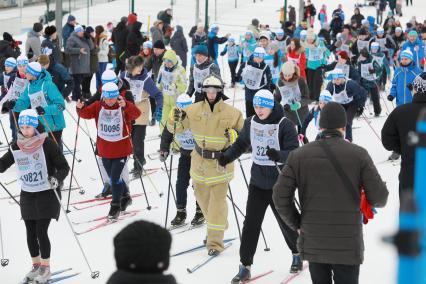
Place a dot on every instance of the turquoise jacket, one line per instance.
(314, 63)
(55, 102)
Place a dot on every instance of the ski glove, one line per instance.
(163, 156)
(273, 154)
(287, 107)
(179, 115)
(53, 182)
(390, 98)
(158, 114)
(223, 161)
(360, 110)
(295, 106)
(40, 110)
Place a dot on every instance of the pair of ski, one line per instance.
(185, 228)
(106, 221)
(103, 201)
(55, 278)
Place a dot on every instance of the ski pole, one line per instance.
(54, 139)
(170, 179)
(69, 150)
(374, 131)
(8, 192)
(3, 261)
(73, 163)
(93, 274)
(235, 212)
(136, 159)
(167, 172)
(247, 186)
(298, 118)
(233, 99)
(93, 149)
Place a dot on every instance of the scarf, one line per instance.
(32, 144)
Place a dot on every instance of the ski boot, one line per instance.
(125, 201)
(106, 191)
(43, 276)
(242, 275)
(393, 157)
(297, 264)
(29, 277)
(152, 122)
(213, 252)
(198, 217)
(180, 218)
(114, 211)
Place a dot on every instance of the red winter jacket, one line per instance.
(107, 149)
(300, 57)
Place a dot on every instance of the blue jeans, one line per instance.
(182, 181)
(114, 167)
(102, 68)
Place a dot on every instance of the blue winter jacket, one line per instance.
(54, 115)
(404, 76)
(417, 55)
(213, 42)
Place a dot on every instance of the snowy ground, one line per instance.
(380, 259)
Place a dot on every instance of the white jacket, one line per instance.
(103, 49)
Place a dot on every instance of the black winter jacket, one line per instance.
(266, 77)
(264, 177)
(330, 220)
(395, 131)
(119, 38)
(44, 204)
(124, 277)
(134, 40)
(353, 89)
(179, 45)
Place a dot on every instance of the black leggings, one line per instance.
(37, 237)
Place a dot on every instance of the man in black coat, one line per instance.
(329, 221)
(399, 123)
(119, 38)
(8, 48)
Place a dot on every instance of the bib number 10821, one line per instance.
(32, 177)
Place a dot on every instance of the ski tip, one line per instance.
(95, 274)
(189, 270)
(4, 262)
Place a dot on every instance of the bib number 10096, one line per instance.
(32, 177)
(110, 128)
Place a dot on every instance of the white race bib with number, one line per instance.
(315, 54)
(342, 97)
(361, 44)
(233, 51)
(136, 87)
(167, 79)
(18, 88)
(37, 99)
(110, 125)
(252, 77)
(263, 136)
(32, 170)
(186, 140)
(290, 94)
(199, 76)
(345, 68)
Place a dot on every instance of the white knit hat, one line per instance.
(10, 62)
(22, 60)
(288, 68)
(259, 52)
(108, 76)
(28, 117)
(183, 101)
(110, 91)
(34, 68)
(264, 98)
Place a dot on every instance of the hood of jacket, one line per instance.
(136, 27)
(44, 77)
(33, 34)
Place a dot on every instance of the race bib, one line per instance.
(186, 140)
(18, 88)
(167, 81)
(37, 99)
(252, 77)
(361, 44)
(315, 54)
(365, 72)
(32, 170)
(199, 76)
(290, 94)
(264, 136)
(110, 125)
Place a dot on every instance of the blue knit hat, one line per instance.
(34, 68)
(413, 33)
(264, 98)
(22, 60)
(10, 62)
(28, 117)
(201, 49)
(110, 91)
(407, 54)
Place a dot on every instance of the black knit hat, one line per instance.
(143, 247)
(37, 27)
(159, 44)
(333, 116)
(7, 37)
(49, 30)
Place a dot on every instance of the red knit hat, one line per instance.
(343, 54)
(132, 18)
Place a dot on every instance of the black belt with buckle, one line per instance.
(207, 154)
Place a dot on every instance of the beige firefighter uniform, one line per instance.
(209, 179)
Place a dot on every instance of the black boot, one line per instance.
(125, 202)
(106, 191)
(297, 264)
(198, 217)
(180, 218)
(114, 211)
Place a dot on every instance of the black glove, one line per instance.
(287, 107)
(222, 53)
(360, 110)
(11, 104)
(163, 155)
(390, 98)
(223, 160)
(238, 78)
(273, 154)
(179, 114)
(40, 110)
(371, 71)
